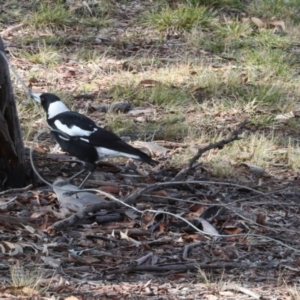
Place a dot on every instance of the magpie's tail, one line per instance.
(123, 149)
(147, 159)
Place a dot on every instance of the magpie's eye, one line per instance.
(42, 99)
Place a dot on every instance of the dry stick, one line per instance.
(154, 186)
(178, 267)
(226, 205)
(27, 90)
(233, 137)
(18, 190)
(31, 158)
(12, 28)
(11, 200)
(245, 291)
(219, 145)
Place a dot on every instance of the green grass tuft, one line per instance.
(183, 17)
(49, 56)
(50, 15)
(237, 4)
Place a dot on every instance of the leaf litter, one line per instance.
(115, 253)
(95, 249)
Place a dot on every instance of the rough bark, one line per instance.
(13, 168)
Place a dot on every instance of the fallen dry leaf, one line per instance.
(278, 23)
(142, 111)
(210, 297)
(232, 230)
(162, 193)
(51, 262)
(153, 147)
(124, 236)
(110, 189)
(30, 291)
(284, 117)
(149, 83)
(258, 22)
(261, 219)
(197, 209)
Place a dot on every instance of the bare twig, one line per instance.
(178, 267)
(219, 145)
(233, 137)
(243, 290)
(19, 190)
(11, 200)
(31, 158)
(131, 198)
(11, 28)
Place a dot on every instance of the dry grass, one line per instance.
(213, 70)
(26, 282)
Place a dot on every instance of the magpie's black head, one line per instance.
(45, 99)
(50, 103)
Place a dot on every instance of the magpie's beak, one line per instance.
(36, 97)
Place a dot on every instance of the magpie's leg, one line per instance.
(85, 179)
(77, 174)
(88, 167)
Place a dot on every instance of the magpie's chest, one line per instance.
(75, 146)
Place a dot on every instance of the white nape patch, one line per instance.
(74, 130)
(56, 108)
(104, 152)
(36, 97)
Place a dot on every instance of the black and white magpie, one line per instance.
(81, 137)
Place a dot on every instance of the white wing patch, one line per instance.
(74, 130)
(63, 138)
(85, 140)
(104, 152)
(56, 108)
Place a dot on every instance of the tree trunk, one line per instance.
(13, 168)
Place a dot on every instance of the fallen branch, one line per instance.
(233, 137)
(132, 198)
(178, 267)
(218, 145)
(243, 290)
(19, 190)
(11, 29)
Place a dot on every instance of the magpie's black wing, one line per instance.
(79, 125)
(75, 124)
(72, 119)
